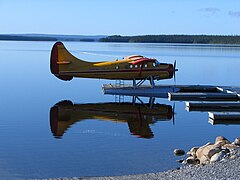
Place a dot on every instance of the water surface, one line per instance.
(96, 136)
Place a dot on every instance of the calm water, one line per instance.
(91, 135)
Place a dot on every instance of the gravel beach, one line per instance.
(225, 169)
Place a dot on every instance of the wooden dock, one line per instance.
(213, 106)
(224, 118)
(224, 122)
(145, 91)
(212, 99)
(200, 96)
(177, 92)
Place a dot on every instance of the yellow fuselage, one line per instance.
(66, 66)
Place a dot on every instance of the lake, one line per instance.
(52, 128)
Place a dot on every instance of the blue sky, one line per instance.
(124, 17)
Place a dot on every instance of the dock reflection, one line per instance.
(138, 116)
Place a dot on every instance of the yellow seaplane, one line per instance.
(138, 117)
(65, 66)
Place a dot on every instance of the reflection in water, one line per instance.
(138, 116)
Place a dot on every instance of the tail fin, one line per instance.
(62, 60)
(60, 118)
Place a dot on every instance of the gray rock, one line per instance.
(233, 157)
(212, 150)
(222, 140)
(179, 152)
(180, 160)
(192, 160)
(205, 153)
(237, 141)
(230, 146)
(193, 151)
(217, 157)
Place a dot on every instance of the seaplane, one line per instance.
(138, 68)
(65, 114)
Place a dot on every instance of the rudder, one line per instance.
(55, 62)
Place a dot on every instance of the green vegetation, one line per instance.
(48, 37)
(189, 39)
(25, 38)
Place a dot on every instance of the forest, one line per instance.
(189, 39)
(47, 37)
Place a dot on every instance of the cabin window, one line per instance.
(117, 67)
(145, 65)
(136, 66)
(131, 66)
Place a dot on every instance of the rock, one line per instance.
(237, 141)
(180, 160)
(230, 146)
(205, 153)
(192, 160)
(193, 151)
(209, 143)
(225, 150)
(184, 162)
(209, 153)
(211, 150)
(201, 157)
(222, 140)
(217, 157)
(179, 152)
(233, 157)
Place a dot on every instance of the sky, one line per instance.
(122, 17)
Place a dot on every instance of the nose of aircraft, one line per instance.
(171, 70)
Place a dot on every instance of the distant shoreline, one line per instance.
(177, 39)
(50, 37)
(211, 40)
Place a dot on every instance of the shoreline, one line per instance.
(220, 160)
(225, 169)
(227, 40)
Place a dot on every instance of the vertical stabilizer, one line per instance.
(57, 59)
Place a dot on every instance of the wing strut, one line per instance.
(140, 82)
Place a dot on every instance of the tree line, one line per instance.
(189, 39)
(41, 38)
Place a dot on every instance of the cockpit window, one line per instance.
(157, 63)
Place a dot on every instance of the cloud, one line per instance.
(234, 13)
(210, 10)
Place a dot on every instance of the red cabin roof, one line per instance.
(143, 60)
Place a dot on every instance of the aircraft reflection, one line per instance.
(138, 116)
